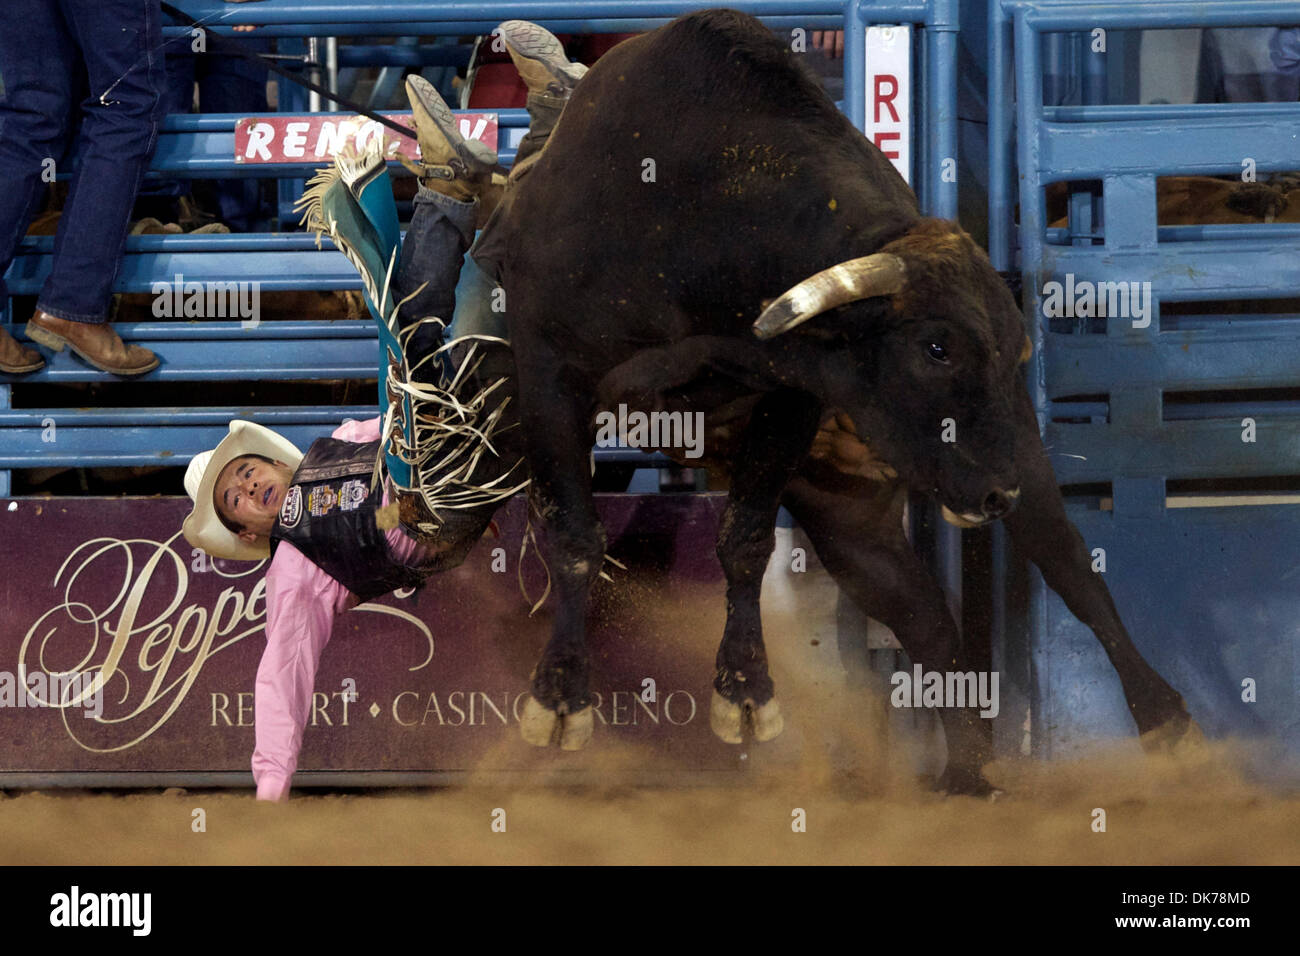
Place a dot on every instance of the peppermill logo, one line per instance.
(124, 635)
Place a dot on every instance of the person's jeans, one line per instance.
(441, 230)
(45, 47)
(433, 250)
(227, 84)
(455, 289)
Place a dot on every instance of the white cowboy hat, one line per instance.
(203, 527)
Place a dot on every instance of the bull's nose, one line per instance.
(1000, 503)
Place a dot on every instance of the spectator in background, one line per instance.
(1284, 49)
(45, 47)
(226, 84)
(1241, 65)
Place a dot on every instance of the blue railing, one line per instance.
(202, 146)
(1103, 389)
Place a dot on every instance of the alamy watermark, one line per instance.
(82, 690)
(130, 910)
(1084, 299)
(946, 689)
(180, 299)
(651, 430)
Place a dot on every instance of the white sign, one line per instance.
(889, 95)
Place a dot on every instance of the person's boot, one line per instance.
(545, 69)
(16, 359)
(96, 342)
(449, 163)
(540, 59)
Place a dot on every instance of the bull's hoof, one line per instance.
(1181, 738)
(1180, 731)
(731, 720)
(541, 726)
(575, 729)
(967, 783)
(726, 719)
(767, 720)
(538, 724)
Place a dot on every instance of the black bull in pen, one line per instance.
(705, 232)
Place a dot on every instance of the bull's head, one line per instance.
(923, 342)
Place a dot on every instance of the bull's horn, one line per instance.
(879, 274)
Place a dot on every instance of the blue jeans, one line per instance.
(433, 254)
(227, 84)
(46, 48)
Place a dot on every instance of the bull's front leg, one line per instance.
(859, 538)
(774, 445)
(555, 419)
(1044, 533)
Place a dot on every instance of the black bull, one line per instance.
(696, 177)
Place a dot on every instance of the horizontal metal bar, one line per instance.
(223, 243)
(1068, 409)
(291, 270)
(1186, 271)
(1184, 411)
(1174, 361)
(320, 12)
(1174, 450)
(122, 446)
(187, 360)
(355, 54)
(1205, 411)
(1051, 15)
(182, 416)
(216, 330)
(633, 456)
(1162, 147)
(1209, 232)
(455, 28)
(119, 437)
(1127, 112)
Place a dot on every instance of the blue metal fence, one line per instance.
(1208, 592)
(202, 146)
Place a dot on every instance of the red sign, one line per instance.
(124, 650)
(316, 137)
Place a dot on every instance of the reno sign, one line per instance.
(317, 137)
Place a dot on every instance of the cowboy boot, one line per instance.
(545, 69)
(16, 359)
(540, 59)
(449, 163)
(96, 342)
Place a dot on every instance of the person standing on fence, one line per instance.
(46, 47)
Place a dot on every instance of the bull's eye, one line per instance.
(938, 353)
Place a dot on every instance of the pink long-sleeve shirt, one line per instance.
(302, 602)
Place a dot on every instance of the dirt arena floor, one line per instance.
(863, 792)
(1157, 812)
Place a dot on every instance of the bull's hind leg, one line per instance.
(557, 445)
(775, 443)
(1045, 535)
(860, 540)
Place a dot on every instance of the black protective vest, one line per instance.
(329, 515)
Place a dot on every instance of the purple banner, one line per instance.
(123, 649)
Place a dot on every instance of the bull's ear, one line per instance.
(864, 278)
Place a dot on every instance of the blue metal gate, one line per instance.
(1140, 413)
